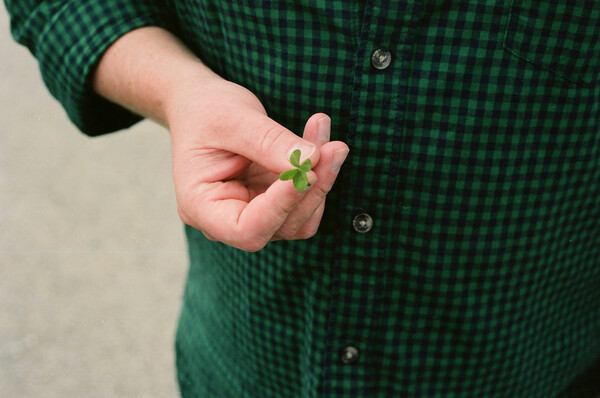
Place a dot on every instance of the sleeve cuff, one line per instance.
(73, 43)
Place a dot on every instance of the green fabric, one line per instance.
(476, 153)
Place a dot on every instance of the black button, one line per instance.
(349, 355)
(381, 59)
(362, 223)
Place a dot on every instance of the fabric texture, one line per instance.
(68, 37)
(476, 152)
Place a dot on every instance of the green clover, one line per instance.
(298, 175)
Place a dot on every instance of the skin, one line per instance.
(226, 152)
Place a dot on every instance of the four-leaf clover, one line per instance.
(298, 175)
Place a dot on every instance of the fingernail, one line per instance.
(324, 129)
(306, 149)
(338, 159)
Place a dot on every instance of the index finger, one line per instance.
(249, 225)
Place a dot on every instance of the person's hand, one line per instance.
(227, 156)
(227, 153)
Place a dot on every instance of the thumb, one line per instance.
(270, 144)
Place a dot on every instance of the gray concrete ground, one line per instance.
(92, 253)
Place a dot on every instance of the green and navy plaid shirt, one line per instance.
(459, 255)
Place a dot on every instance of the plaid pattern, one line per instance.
(476, 152)
(68, 39)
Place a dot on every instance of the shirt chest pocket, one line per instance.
(561, 36)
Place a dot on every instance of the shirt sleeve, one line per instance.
(68, 37)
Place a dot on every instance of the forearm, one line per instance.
(144, 69)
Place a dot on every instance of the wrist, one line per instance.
(146, 70)
(190, 90)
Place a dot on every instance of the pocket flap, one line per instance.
(561, 36)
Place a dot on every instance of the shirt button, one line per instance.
(349, 355)
(381, 59)
(362, 223)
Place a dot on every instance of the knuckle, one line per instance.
(187, 205)
(320, 191)
(269, 138)
(252, 245)
(287, 231)
(287, 208)
(209, 237)
(183, 215)
(250, 242)
(243, 239)
(309, 232)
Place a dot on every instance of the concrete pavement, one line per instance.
(92, 253)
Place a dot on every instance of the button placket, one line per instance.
(356, 282)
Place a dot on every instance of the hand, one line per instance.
(227, 153)
(227, 156)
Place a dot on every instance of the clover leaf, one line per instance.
(298, 174)
(295, 158)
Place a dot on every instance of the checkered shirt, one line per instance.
(475, 159)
